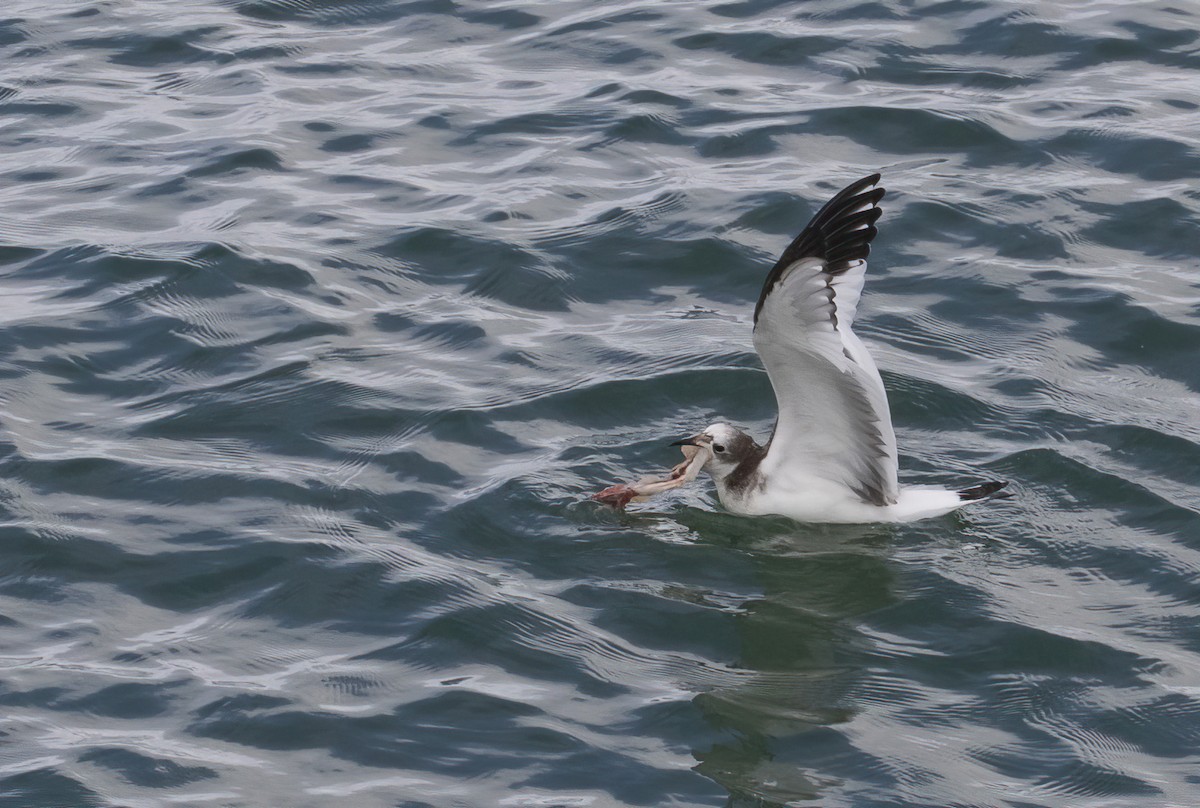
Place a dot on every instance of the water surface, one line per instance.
(319, 321)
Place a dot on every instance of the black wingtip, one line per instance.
(841, 233)
(989, 490)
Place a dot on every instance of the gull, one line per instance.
(832, 455)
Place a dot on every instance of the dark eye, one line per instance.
(718, 448)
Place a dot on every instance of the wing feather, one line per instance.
(834, 420)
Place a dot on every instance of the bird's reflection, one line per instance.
(799, 649)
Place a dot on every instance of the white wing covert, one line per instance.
(833, 410)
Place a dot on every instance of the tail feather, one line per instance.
(988, 490)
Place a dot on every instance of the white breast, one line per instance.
(819, 500)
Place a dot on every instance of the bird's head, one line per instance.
(729, 445)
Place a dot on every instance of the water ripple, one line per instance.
(319, 321)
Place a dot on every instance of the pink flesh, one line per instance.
(621, 495)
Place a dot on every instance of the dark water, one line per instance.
(319, 320)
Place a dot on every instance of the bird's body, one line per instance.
(832, 456)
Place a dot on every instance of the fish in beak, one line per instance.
(696, 452)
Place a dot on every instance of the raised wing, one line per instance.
(834, 422)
